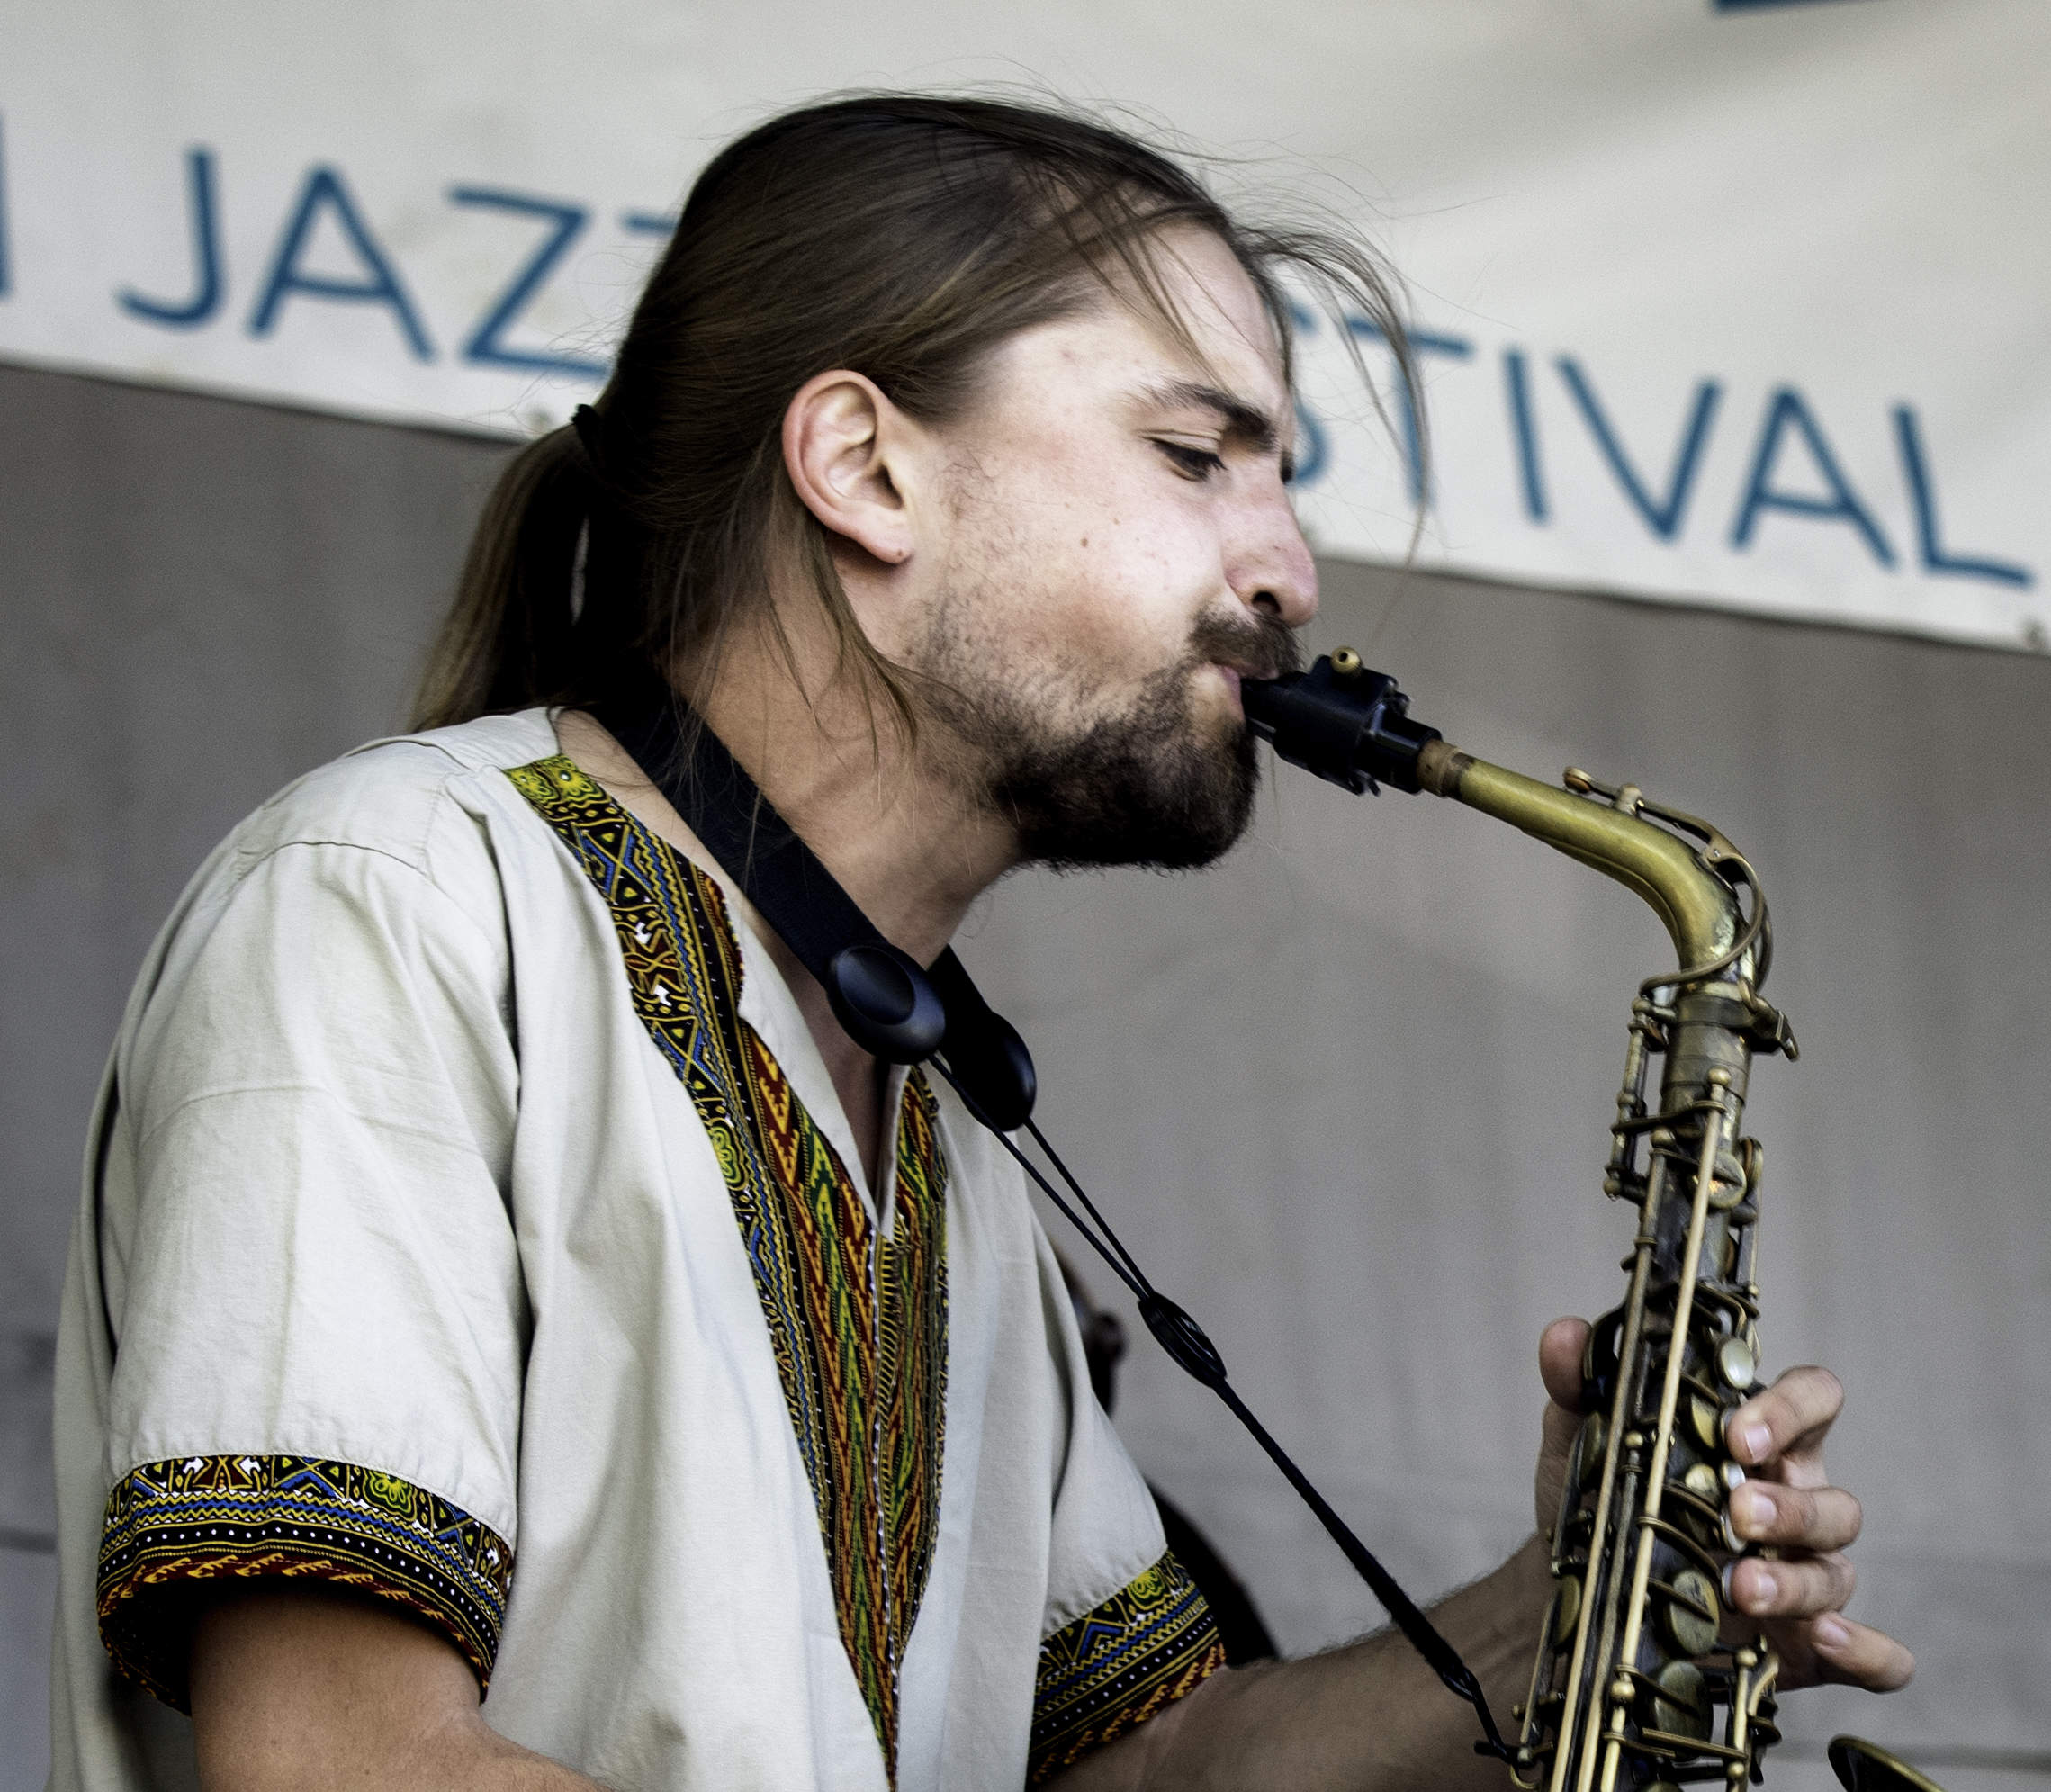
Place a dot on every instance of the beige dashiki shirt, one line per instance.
(470, 1221)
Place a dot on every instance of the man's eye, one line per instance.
(1191, 462)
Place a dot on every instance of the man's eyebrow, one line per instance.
(1241, 417)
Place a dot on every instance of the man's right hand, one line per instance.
(302, 1688)
(1788, 1502)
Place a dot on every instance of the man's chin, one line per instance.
(1180, 816)
(1166, 782)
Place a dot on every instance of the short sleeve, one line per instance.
(1127, 1631)
(313, 1282)
(1111, 1669)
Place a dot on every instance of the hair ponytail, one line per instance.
(506, 642)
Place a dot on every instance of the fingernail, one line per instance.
(1758, 1440)
(1759, 1510)
(1763, 1590)
(1829, 1632)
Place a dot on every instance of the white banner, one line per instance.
(1721, 301)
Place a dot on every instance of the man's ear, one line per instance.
(847, 449)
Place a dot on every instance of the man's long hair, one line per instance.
(901, 236)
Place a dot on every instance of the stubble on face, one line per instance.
(1147, 783)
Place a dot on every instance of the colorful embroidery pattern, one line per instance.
(911, 1351)
(858, 1323)
(221, 1518)
(1115, 1667)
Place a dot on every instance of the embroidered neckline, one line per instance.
(856, 1318)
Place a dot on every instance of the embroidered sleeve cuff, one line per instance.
(210, 1519)
(1115, 1667)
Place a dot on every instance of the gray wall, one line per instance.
(1345, 1095)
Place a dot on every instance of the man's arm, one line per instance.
(1373, 1715)
(1369, 1715)
(293, 1687)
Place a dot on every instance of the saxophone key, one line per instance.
(1736, 1364)
(1729, 1182)
(1680, 1702)
(1705, 1419)
(1566, 1611)
(1690, 1613)
(1589, 1447)
(1701, 1481)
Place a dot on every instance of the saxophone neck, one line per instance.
(1692, 885)
(1352, 727)
(1699, 909)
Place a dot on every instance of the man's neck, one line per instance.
(910, 853)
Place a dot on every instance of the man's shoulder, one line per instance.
(401, 795)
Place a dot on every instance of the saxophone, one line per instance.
(1635, 1683)
(1642, 1681)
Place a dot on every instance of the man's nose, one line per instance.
(1271, 570)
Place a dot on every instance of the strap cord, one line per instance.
(1185, 1341)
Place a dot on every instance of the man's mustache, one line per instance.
(1262, 646)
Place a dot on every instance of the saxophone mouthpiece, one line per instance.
(1350, 725)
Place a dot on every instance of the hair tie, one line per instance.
(591, 437)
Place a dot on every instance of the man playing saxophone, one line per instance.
(501, 1273)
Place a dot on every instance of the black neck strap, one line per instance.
(891, 1005)
(905, 1014)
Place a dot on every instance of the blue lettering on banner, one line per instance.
(1826, 495)
(1516, 381)
(1311, 451)
(1785, 410)
(207, 286)
(1922, 495)
(486, 346)
(1421, 342)
(380, 285)
(1662, 517)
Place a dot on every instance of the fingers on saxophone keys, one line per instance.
(1790, 1589)
(1793, 1412)
(1855, 1654)
(1811, 1518)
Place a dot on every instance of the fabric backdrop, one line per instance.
(1717, 300)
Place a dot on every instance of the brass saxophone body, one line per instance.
(1637, 1681)
(1642, 1679)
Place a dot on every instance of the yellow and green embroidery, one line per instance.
(858, 1323)
(215, 1517)
(1115, 1666)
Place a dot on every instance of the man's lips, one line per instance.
(1232, 675)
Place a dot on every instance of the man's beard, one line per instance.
(1149, 786)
